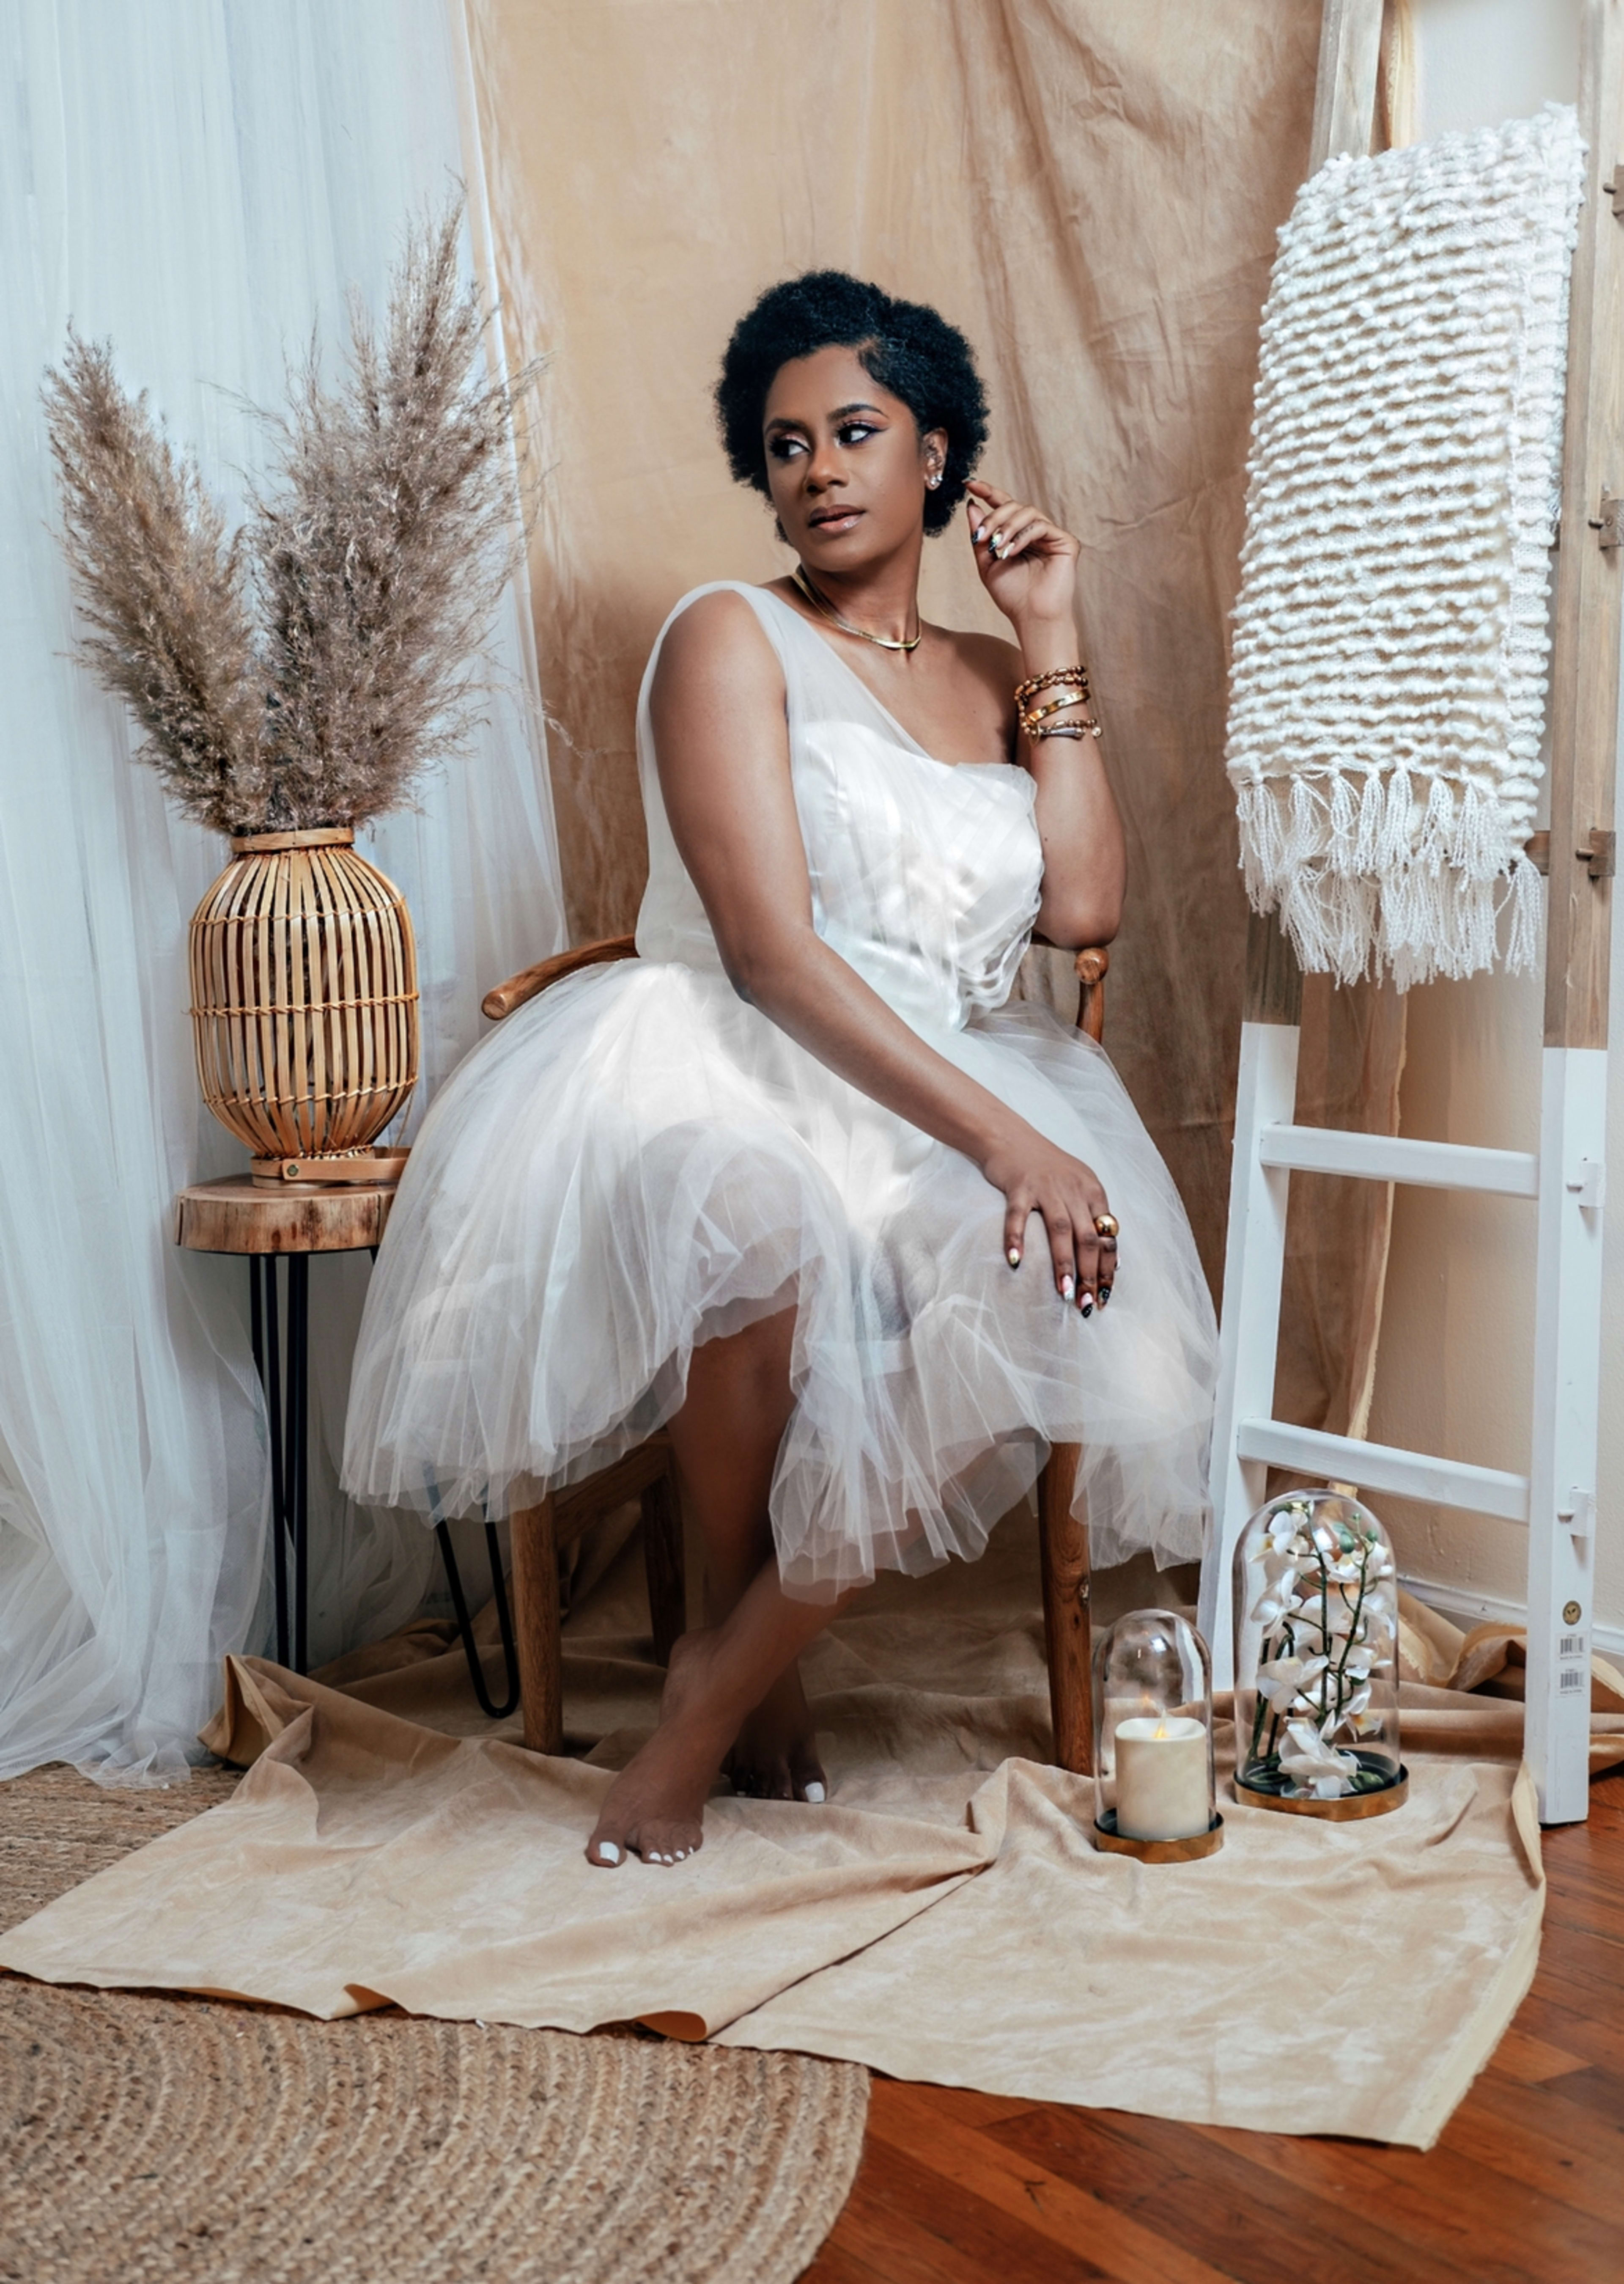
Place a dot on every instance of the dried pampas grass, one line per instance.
(307, 670)
(161, 590)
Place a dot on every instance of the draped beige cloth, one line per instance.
(1092, 192)
(944, 1916)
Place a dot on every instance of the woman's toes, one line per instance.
(605, 1852)
(666, 1844)
(810, 1783)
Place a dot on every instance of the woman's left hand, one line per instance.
(1028, 566)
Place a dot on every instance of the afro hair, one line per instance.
(904, 346)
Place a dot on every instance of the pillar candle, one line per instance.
(1161, 1777)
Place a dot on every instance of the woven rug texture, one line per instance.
(144, 2136)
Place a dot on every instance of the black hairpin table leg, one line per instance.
(465, 1626)
(287, 1405)
(265, 1222)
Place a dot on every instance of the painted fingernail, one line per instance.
(608, 1852)
(1067, 1288)
(1086, 1305)
(998, 539)
(815, 1791)
(980, 533)
(1014, 1256)
(1104, 1294)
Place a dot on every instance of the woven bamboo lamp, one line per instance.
(304, 1003)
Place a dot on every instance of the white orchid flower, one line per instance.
(1358, 1704)
(1360, 1661)
(1285, 1538)
(1314, 1766)
(1280, 1679)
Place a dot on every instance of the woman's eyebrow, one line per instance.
(841, 413)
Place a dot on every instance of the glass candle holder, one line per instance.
(1153, 1732)
(1316, 1686)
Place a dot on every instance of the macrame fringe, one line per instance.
(1415, 875)
(1388, 678)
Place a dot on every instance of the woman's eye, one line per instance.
(854, 431)
(785, 448)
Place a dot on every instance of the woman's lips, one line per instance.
(845, 521)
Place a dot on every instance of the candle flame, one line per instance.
(1161, 1728)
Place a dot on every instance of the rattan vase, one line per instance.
(304, 992)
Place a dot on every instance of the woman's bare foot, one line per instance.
(775, 1754)
(656, 1805)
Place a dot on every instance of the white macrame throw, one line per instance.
(1388, 687)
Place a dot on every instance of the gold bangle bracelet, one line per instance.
(1030, 716)
(1037, 682)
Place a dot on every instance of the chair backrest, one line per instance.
(1091, 966)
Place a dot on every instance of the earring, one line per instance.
(934, 478)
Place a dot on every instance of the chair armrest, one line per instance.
(1091, 966)
(504, 998)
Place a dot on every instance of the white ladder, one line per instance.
(1555, 1499)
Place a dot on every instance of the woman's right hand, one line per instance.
(1037, 1177)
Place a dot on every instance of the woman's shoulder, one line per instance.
(724, 611)
(725, 625)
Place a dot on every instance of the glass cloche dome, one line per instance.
(1316, 1696)
(1153, 1732)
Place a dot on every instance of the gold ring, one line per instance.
(1107, 1225)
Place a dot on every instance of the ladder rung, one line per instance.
(1394, 1158)
(1384, 1467)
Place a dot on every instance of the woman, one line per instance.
(797, 1183)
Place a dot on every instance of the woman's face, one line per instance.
(846, 463)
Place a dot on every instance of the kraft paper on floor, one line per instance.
(944, 1916)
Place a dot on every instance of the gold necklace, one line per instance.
(821, 603)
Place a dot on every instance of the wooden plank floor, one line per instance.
(1527, 2182)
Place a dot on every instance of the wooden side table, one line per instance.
(267, 1223)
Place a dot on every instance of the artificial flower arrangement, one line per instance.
(1316, 1628)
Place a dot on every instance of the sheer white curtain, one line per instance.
(200, 182)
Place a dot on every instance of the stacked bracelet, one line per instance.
(1037, 682)
(1071, 685)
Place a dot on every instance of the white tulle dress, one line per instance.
(638, 1161)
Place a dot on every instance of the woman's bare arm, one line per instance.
(720, 733)
(1031, 578)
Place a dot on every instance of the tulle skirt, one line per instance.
(637, 1163)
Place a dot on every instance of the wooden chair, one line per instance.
(649, 1475)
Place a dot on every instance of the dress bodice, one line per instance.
(925, 876)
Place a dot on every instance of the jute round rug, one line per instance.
(149, 2138)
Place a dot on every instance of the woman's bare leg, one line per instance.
(726, 1438)
(718, 1675)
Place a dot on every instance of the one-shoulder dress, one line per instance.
(638, 1161)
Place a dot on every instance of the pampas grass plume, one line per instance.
(306, 670)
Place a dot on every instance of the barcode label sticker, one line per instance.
(1572, 1677)
(1571, 1645)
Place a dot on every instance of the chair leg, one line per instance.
(536, 1622)
(1063, 1542)
(663, 1564)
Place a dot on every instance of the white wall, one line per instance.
(1454, 1372)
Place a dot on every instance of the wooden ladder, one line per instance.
(1555, 1499)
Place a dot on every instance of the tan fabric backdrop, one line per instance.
(1092, 191)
